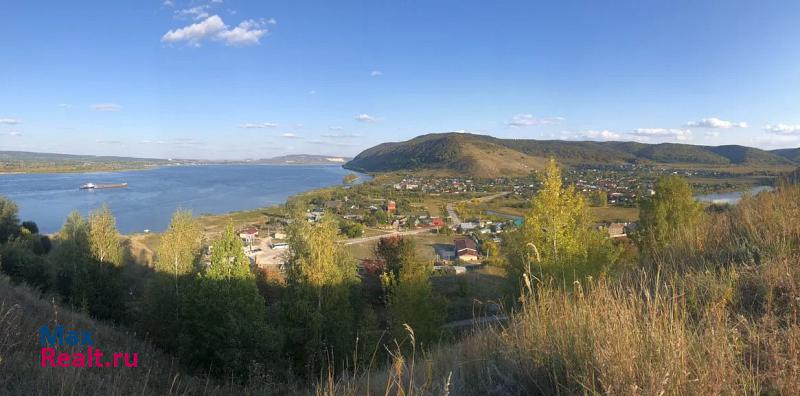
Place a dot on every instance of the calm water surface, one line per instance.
(731, 197)
(153, 195)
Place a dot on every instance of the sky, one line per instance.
(234, 79)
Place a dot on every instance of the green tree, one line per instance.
(599, 198)
(410, 297)
(31, 227)
(86, 282)
(177, 254)
(224, 326)
(665, 215)
(104, 239)
(323, 307)
(9, 219)
(557, 237)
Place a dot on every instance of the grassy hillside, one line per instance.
(720, 316)
(487, 156)
(792, 154)
(460, 153)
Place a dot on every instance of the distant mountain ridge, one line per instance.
(487, 156)
(299, 159)
(57, 157)
(305, 159)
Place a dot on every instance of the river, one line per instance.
(153, 195)
(731, 197)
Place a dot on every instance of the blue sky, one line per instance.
(252, 79)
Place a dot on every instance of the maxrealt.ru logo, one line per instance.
(93, 357)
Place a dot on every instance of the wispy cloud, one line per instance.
(108, 141)
(668, 133)
(289, 135)
(64, 106)
(528, 120)
(106, 107)
(10, 121)
(711, 134)
(335, 128)
(181, 141)
(197, 13)
(366, 118)
(376, 73)
(341, 135)
(716, 123)
(783, 129)
(248, 32)
(599, 135)
(168, 3)
(15, 133)
(258, 125)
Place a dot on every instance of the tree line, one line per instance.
(202, 300)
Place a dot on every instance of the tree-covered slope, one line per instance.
(481, 155)
(791, 154)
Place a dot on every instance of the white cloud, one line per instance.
(599, 135)
(15, 133)
(64, 105)
(106, 107)
(716, 123)
(365, 118)
(677, 134)
(290, 135)
(174, 142)
(783, 129)
(195, 33)
(10, 121)
(197, 13)
(168, 3)
(247, 33)
(712, 134)
(335, 128)
(376, 73)
(341, 135)
(527, 120)
(272, 21)
(108, 141)
(217, 1)
(258, 125)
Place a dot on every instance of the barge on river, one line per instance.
(92, 186)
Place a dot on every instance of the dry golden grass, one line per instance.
(718, 314)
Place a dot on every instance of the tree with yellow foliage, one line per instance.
(557, 237)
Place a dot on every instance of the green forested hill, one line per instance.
(482, 155)
(792, 154)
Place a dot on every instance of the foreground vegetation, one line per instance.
(701, 301)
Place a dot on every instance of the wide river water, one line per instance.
(153, 195)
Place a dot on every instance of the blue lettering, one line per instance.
(50, 338)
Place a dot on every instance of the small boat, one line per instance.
(92, 186)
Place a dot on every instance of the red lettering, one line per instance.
(78, 360)
(117, 355)
(63, 359)
(97, 356)
(48, 354)
(135, 362)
